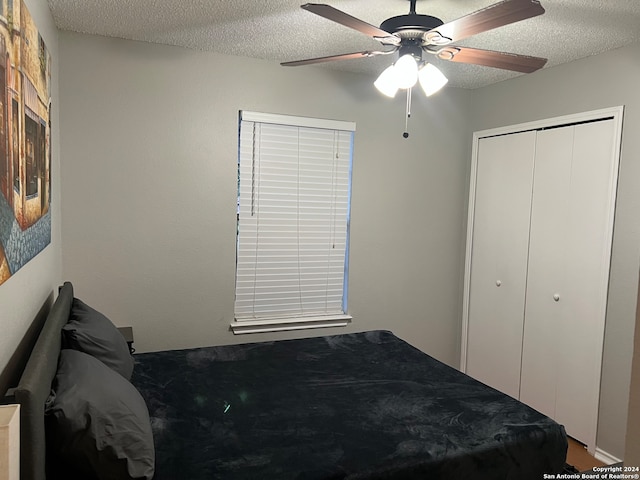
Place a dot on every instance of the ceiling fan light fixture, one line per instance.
(387, 83)
(406, 71)
(431, 79)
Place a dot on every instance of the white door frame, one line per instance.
(616, 113)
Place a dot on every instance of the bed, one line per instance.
(354, 406)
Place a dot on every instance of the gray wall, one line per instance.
(29, 291)
(605, 80)
(632, 443)
(149, 182)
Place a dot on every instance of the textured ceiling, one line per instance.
(280, 30)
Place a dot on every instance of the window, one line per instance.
(294, 185)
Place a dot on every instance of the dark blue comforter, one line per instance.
(355, 406)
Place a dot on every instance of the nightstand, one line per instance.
(127, 333)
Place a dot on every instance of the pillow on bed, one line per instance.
(89, 331)
(97, 423)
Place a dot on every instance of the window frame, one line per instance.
(286, 323)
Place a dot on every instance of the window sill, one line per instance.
(285, 324)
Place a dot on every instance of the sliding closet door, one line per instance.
(569, 257)
(499, 259)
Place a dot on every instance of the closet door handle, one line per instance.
(498, 283)
(556, 297)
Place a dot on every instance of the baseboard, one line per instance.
(605, 457)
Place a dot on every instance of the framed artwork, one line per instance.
(25, 139)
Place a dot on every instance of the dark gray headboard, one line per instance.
(35, 386)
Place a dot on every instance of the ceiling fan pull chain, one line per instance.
(408, 111)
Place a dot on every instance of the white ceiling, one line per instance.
(279, 30)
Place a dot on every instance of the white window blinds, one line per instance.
(293, 217)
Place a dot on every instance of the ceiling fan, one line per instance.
(412, 34)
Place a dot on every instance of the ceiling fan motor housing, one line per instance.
(410, 26)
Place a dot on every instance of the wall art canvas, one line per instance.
(25, 139)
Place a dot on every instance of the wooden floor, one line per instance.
(580, 458)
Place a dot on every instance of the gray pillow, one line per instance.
(97, 423)
(89, 331)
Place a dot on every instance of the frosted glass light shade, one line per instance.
(406, 71)
(387, 83)
(431, 79)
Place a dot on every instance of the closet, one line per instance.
(542, 199)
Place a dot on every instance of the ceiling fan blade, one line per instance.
(493, 16)
(347, 20)
(344, 56)
(489, 58)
